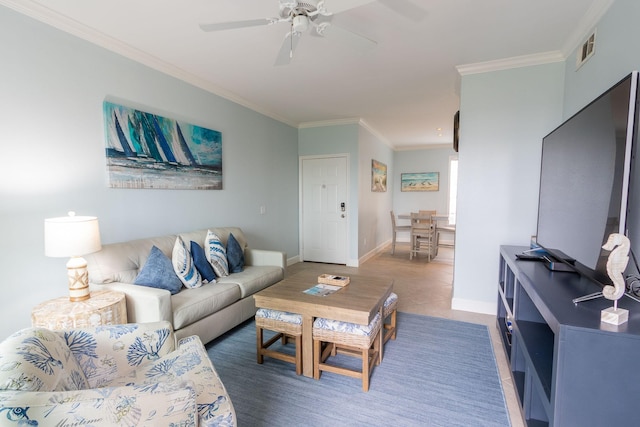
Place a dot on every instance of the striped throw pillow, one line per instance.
(183, 265)
(216, 254)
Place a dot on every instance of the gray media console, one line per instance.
(569, 369)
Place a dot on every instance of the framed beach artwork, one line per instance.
(427, 181)
(378, 176)
(145, 150)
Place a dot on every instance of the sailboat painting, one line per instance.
(145, 150)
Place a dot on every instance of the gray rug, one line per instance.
(437, 372)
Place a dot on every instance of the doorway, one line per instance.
(324, 210)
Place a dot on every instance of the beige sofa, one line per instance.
(207, 311)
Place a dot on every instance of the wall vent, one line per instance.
(587, 50)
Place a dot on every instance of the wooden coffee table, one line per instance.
(358, 302)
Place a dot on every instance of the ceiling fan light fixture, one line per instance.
(300, 23)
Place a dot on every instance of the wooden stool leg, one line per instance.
(393, 324)
(317, 345)
(259, 344)
(299, 355)
(365, 370)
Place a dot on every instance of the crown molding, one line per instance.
(75, 28)
(423, 147)
(509, 63)
(336, 122)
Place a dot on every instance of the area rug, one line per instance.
(438, 372)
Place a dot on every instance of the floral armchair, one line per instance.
(121, 375)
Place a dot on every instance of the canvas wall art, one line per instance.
(145, 150)
(378, 176)
(428, 181)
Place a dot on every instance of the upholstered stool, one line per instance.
(288, 326)
(389, 311)
(361, 341)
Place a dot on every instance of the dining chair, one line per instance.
(422, 234)
(442, 226)
(394, 230)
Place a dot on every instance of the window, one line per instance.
(453, 188)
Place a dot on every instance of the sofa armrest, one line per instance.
(263, 257)
(163, 403)
(144, 304)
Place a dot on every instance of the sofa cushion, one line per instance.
(158, 273)
(171, 403)
(235, 255)
(183, 265)
(254, 278)
(37, 359)
(216, 254)
(202, 264)
(191, 305)
(190, 362)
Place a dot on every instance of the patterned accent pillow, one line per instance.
(183, 265)
(235, 255)
(158, 273)
(202, 264)
(216, 254)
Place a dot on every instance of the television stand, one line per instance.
(568, 368)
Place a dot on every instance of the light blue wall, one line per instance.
(503, 118)
(427, 160)
(617, 53)
(52, 86)
(374, 224)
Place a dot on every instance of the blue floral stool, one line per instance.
(288, 326)
(362, 341)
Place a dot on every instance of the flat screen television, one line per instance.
(585, 180)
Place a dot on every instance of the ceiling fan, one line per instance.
(303, 15)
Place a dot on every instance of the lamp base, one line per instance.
(78, 278)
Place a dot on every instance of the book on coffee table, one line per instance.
(322, 289)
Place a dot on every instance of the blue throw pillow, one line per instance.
(235, 255)
(202, 265)
(158, 273)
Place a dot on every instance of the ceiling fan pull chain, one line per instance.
(291, 42)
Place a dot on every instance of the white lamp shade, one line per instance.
(71, 236)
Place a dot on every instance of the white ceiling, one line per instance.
(403, 89)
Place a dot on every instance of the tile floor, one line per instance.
(425, 288)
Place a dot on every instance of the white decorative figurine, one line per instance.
(619, 246)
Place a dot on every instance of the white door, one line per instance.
(324, 210)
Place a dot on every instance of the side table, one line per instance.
(103, 308)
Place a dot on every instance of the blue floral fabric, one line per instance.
(346, 327)
(120, 375)
(283, 316)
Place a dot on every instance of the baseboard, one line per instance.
(293, 260)
(473, 306)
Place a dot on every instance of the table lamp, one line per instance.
(73, 236)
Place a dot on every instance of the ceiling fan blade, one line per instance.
(406, 9)
(287, 49)
(344, 36)
(220, 26)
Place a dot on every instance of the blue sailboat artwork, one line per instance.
(145, 150)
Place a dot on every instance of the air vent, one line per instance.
(587, 50)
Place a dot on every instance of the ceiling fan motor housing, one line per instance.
(289, 8)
